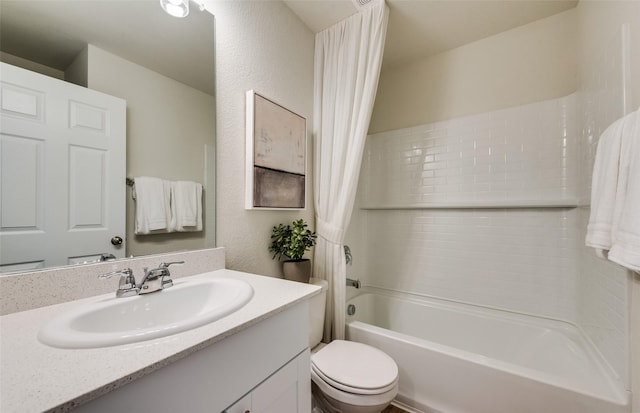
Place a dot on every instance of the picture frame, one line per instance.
(276, 155)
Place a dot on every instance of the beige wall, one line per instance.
(170, 126)
(599, 23)
(76, 72)
(260, 45)
(527, 64)
(29, 65)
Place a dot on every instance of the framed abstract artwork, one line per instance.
(276, 142)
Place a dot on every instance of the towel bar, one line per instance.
(131, 181)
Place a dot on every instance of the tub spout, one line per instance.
(353, 283)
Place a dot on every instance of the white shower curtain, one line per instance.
(348, 56)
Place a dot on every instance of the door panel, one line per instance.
(22, 102)
(21, 205)
(87, 167)
(89, 118)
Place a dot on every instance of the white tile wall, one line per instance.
(523, 153)
(521, 260)
(603, 287)
(602, 100)
(603, 302)
(517, 259)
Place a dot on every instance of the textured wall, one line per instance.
(260, 45)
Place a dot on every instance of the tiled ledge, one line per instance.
(29, 290)
(564, 203)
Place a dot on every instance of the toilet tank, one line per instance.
(316, 312)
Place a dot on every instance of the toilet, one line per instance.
(346, 376)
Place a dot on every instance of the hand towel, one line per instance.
(186, 206)
(614, 222)
(152, 196)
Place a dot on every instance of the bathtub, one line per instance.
(459, 358)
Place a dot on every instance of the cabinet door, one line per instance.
(279, 393)
(241, 406)
(286, 391)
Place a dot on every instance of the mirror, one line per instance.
(170, 132)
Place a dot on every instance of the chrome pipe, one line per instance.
(353, 283)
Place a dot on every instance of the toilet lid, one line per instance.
(355, 367)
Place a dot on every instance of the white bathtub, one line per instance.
(457, 358)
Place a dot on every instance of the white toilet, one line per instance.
(346, 376)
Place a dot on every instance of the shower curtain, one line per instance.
(348, 56)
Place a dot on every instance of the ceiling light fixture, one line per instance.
(176, 8)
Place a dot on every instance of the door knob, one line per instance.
(116, 240)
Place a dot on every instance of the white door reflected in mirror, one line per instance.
(63, 172)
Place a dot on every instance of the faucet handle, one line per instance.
(127, 284)
(126, 272)
(167, 264)
(166, 277)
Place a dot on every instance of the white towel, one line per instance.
(626, 240)
(152, 196)
(614, 223)
(604, 186)
(186, 206)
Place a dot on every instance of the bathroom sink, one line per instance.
(113, 321)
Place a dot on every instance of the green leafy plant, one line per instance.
(292, 241)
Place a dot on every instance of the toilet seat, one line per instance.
(351, 389)
(355, 368)
(353, 399)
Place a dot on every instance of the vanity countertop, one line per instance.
(37, 378)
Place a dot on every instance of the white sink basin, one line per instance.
(113, 321)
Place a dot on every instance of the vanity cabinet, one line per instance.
(285, 391)
(262, 368)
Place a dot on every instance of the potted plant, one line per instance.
(292, 241)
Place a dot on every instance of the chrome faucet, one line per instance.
(155, 279)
